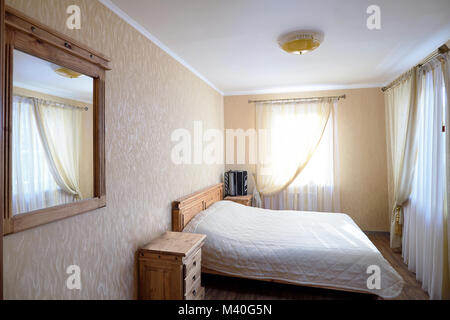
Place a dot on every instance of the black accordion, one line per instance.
(235, 183)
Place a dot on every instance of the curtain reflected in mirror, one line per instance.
(52, 135)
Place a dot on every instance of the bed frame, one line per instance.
(185, 209)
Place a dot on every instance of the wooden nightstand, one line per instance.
(170, 267)
(245, 200)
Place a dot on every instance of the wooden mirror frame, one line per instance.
(2, 89)
(31, 37)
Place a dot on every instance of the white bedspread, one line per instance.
(326, 249)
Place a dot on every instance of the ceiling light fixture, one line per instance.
(65, 72)
(300, 42)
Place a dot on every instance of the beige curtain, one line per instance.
(401, 127)
(288, 135)
(59, 127)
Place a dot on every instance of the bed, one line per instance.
(326, 250)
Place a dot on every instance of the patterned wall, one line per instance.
(148, 95)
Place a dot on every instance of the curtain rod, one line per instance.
(54, 102)
(297, 99)
(441, 50)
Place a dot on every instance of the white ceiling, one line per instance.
(36, 74)
(232, 44)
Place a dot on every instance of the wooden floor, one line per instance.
(227, 288)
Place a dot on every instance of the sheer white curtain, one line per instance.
(33, 185)
(315, 186)
(425, 235)
(446, 70)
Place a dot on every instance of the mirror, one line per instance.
(52, 135)
(53, 139)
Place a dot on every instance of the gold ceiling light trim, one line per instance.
(65, 72)
(300, 42)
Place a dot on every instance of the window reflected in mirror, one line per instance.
(52, 135)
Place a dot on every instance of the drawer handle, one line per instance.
(195, 263)
(194, 293)
(193, 278)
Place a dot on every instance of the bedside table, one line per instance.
(170, 267)
(245, 200)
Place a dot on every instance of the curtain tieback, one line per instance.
(397, 219)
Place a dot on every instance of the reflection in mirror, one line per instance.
(52, 135)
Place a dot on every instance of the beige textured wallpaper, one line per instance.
(362, 150)
(148, 95)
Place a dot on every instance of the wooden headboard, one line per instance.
(185, 208)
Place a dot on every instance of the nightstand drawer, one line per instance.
(199, 294)
(194, 291)
(193, 262)
(192, 277)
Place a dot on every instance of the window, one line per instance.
(298, 133)
(33, 185)
(320, 169)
